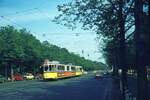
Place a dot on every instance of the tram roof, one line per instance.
(47, 62)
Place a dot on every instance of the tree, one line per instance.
(108, 18)
(11, 50)
(21, 51)
(141, 67)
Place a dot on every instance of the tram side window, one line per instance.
(81, 69)
(77, 69)
(73, 68)
(46, 68)
(53, 68)
(61, 68)
(50, 67)
(67, 68)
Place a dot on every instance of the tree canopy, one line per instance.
(19, 48)
(124, 27)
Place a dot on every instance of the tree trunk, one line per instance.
(6, 74)
(149, 28)
(115, 65)
(141, 68)
(149, 10)
(122, 47)
(12, 73)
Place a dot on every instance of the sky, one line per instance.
(37, 15)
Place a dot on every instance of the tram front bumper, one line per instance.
(50, 75)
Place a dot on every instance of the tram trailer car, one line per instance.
(55, 70)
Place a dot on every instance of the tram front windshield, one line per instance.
(49, 68)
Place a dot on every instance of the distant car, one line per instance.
(98, 75)
(85, 72)
(17, 77)
(2, 79)
(28, 76)
(105, 73)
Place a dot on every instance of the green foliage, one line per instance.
(116, 21)
(20, 49)
(103, 17)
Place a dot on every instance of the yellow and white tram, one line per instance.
(55, 70)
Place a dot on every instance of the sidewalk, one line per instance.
(113, 90)
(132, 85)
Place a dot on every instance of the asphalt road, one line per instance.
(78, 88)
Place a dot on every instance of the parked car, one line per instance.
(28, 76)
(18, 77)
(2, 79)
